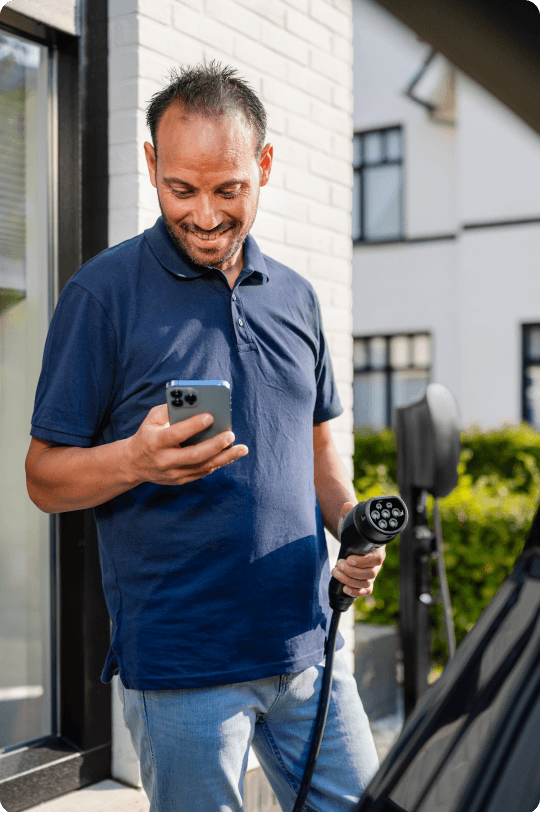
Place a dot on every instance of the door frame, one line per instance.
(79, 750)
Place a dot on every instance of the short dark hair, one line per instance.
(210, 90)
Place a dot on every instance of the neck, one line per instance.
(232, 268)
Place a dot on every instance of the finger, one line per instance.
(200, 459)
(357, 573)
(356, 592)
(204, 451)
(353, 587)
(370, 560)
(228, 456)
(185, 474)
(179, 432)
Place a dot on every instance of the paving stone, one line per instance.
(105, 796)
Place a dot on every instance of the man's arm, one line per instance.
(62, 479)
(336, 495)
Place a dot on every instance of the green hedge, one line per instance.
(484, 520)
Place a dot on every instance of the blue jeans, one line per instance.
(193, 744)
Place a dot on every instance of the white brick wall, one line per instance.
(297, 55)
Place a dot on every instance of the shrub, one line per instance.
(485, 521)
(506, 452)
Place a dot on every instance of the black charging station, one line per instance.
(428, 453)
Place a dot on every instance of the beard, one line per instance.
(210, 256)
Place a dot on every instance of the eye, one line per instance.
(181, 193)
(229, 193)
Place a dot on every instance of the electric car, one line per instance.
(473, 741)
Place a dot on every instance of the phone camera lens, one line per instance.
(191, 399)
(178, 403)
(176, 394)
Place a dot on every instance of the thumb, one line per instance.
(158, 415)
(346, 508)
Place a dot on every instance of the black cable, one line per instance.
(369, 525)
(322, 712)
(443, 584)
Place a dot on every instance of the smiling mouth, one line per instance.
(208, 237)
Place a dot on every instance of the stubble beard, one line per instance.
(185, 250)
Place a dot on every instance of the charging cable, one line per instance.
(369, 525)
(443, 583)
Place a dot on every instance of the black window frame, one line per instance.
(359, 169)
(79, 750)
(526, 361)
(387, 368)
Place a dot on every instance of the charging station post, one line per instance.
(428, 452)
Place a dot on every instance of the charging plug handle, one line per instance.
(369, 525)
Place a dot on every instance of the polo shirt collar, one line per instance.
(167, 254)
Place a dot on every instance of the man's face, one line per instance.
(207, 177)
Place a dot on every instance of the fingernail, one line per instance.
(347, 590)
(352, 562)
(341, 564)
(229, 438)
(207, 419)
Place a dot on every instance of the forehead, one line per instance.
(189, 136)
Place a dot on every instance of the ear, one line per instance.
(151, 162)
(265, 164)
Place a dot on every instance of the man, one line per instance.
(214, 562)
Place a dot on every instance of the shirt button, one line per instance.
(241, 323)
(234, 296)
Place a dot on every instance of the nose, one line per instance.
(206, 214)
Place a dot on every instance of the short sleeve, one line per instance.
(327, 403)
(78, 375)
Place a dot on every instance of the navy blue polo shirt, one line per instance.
(223, 579)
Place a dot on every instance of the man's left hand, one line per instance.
(358, 573)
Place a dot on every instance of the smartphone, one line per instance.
(186, 398)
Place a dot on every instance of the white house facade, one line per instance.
(446, 218)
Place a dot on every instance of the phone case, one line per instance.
(186, 398)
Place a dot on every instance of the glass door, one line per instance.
(25, 274)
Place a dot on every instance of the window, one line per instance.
(25, 668)
(530, 396)
(389, 371)
(378, 180)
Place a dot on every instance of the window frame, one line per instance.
(526, 360)
(388, 369)
(362, 166)
(78, 752)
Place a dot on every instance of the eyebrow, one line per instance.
(173, 180)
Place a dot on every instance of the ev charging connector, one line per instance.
(371, 524)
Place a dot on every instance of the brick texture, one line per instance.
(297, 55)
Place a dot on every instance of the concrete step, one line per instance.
(109, 795)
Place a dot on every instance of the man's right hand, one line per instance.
(157, 457)
(67, 478)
